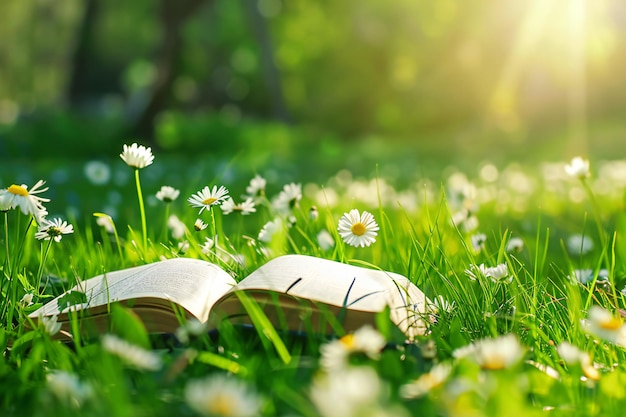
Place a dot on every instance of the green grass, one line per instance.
(536, 301)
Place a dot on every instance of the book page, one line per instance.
(191, 283)
(342, 285)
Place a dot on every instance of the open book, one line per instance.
(296, 292)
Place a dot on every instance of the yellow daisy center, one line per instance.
(494, 363)
(347, 341)
(613, 324)
(358, 229)
(18, 190)
(221, 405)
(209, 201)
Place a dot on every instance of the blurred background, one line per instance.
(408, 85)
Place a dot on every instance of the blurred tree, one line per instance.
(172, 17)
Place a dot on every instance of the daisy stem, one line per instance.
(167, 215)
(7, 264)
(44, 257)
(7, 261)
(142, 210)
(213, 229)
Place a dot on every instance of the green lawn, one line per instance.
(515, 256)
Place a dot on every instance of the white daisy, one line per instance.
(50, 324)
(97, 172)
(28, 201)
(137, 156)
(208, 197)
(106, 221)
(437, 376)
(131, 354)
(578, 168)
(53, 229)
(499, 353)
(27, 299)
(245, 207)
(440, 304)
(176, 226)
(573, 356)
(515, 244)
(222, 395)
(269, 229)
(358, 229)
(584, 276)
(497, 273)
(313, 213)
(353, 392)
(336, 353)
(167, 194)
(256, 187)
(603, 324)
(288, 198)
(325, 240)
(478, 241)
(578, 244)
(199, 225)
(208, 245)
(67, 387)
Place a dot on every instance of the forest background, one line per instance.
(310, 88)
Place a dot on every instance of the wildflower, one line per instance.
(256, 187)
(571, 355)
(51, 325)
(208, 246)
(466, 220)
(499, 353)
(208, 197)
(578, 168)
(97, 172)
(478, 241)
(199, 225)
(27, 299)
(353, 392)
(437, 376)
(337, 353)
(515, 244)
(137, 156)
(176, 226)
(325, 240)
(585, 276)
(106, 221)
(313, 213)
(28, 201)
(269, 229)
(358, 229)
(220, 395)
(183, 247)
(579, 244)
(53, 229)
(67, 387)
(131, 354)
(497, 273)
(192, 327)
(440, 304)
(603, 324)
(288, 198)
(167, 194)
(245, 207)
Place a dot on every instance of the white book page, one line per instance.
(191, 283)
(342, 285)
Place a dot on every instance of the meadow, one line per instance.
(523, 266)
